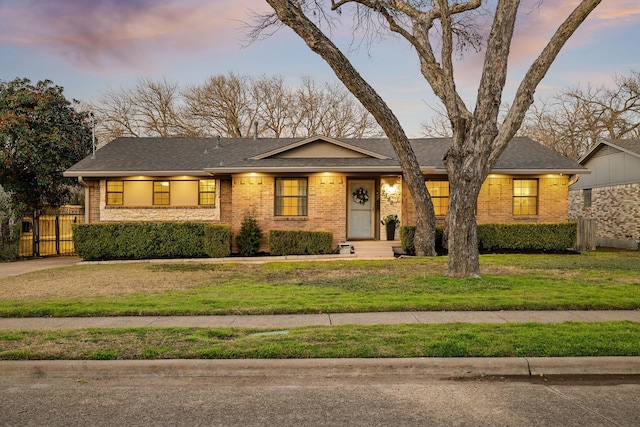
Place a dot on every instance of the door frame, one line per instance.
(375, 207)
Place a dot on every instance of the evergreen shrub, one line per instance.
(147, 240)
(282, 242)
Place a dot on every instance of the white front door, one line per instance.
(361, 206)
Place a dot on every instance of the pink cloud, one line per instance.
(128, 34)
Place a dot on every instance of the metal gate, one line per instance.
(49, 232)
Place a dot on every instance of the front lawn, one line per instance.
(590, 281)
(443, 340)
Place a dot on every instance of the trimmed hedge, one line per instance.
(148, 240)
(527, 237)
(508, 237)
(283, 242)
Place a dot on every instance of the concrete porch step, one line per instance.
(374, 248)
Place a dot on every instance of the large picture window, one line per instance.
(291, 197)
(161, 192)
(439, 191)
(207, 192)
(115, 193)
(525, 197)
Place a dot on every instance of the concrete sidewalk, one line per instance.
(325, 319)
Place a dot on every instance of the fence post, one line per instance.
(586, 236)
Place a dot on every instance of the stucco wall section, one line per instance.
(616, 210)
(159, 213)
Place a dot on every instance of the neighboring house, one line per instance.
(611, 193)
(344, 186)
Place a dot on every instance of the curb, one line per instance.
(327, 368)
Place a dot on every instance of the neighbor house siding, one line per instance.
(616, 210)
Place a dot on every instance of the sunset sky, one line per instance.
(89, 47)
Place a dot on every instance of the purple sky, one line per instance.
(90, 46)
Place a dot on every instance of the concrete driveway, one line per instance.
(28, 265)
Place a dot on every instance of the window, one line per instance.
(439, 191)
(587, 197)
(291, 197)
(207, 192)
(160, 192)
(115, 192)
(525, 197)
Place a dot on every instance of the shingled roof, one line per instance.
(207, 156)
(631, 146)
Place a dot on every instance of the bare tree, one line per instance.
(274, 105)
(478, 138)
(571, 121)
(331, 110)
(151, 108)
(222, 105)
(437, 126)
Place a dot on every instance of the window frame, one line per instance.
(528, 197)
(302, 205)
(119, 200)
(439, 208)
(209, 194)
(159, 196)
(587, 197)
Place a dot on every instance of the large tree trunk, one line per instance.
(462, 236)
(290, 14)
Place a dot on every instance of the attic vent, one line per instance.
(606, 150)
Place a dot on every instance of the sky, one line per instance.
(92, 46)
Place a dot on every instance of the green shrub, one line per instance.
(145, 240)
(407, 234)
(507, 237)
(300, 242)
(527, 237)
(248, 240)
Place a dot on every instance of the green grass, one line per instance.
(591, 281)
(444, 340)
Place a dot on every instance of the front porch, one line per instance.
(368, 249)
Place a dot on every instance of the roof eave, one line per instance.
(110, 174)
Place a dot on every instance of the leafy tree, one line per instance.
(41, 135)
(432, 29)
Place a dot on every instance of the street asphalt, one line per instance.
(457, 367)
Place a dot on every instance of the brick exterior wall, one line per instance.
(495, 201)
(616, 210)
(254, 195)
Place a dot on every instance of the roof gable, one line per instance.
(319, 147)
(609, 146)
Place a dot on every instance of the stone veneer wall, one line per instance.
(495, 201)
(99, 212)
(616, 210)
(390, 201)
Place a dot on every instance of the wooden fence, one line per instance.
(49, 232)
(586, 239)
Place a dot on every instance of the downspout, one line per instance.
(86, 199)
(573, 179)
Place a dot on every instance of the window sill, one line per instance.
(291, 218)
(159, 207)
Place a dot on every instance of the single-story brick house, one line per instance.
(611, 193)
(344, 186)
